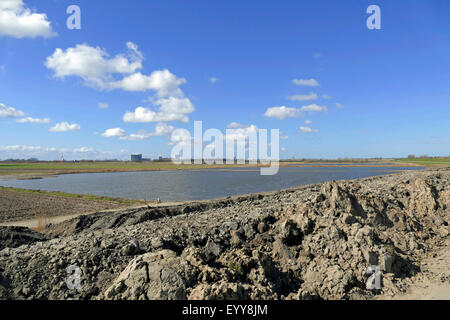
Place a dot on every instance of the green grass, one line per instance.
(235, 267)
(78, 196)
(427, 161)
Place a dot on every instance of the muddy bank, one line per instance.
(311, 242)
(17, 205)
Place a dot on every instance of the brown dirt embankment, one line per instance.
(18, 205)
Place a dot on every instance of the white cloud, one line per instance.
(65, 126)
(83, 150)
(21, 148)
(102, 105)
(141, 135)
(93, 64)
(308, 122)
(283, 149)
(33, 120)
(163, 129)
(241, 134)
(306, 82)
(10, 112)
(170, 109)
(303, 97)
(160, 130)
(213, 80)
(338, 105)
(286, 112)
(100, 71)
(52, 153)
(282, 112)
(180, 137)
(314, 108)
(234, 125)
(163, 82)
(114, 132)
(18, 21)
(307, 129)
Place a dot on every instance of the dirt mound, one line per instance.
(12, 237)
(312, 242)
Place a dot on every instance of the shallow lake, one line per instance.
(184, 185)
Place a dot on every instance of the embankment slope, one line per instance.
(310, 242)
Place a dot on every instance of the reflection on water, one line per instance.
(182, 185)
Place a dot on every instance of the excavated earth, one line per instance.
(310, 242)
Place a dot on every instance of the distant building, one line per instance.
(136, 157)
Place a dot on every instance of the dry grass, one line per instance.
(42, 220)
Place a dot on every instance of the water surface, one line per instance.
(182, 185)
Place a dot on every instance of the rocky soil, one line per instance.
(310, 242)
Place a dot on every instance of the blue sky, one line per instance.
(380, 93)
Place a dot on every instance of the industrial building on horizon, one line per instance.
(136, 157)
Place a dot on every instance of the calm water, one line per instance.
(194, 185)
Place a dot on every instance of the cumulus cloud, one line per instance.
(18, 21)
(306, 82)
(64, 127)
(303, 97)
(83, 150)
(286, 112)
(241, 134)
(10, 112)
(93, 64)
(307, 129)
(234, 125)
(99, 70)
(33, 120)
(114, 132)
(314, 108)
(282, 112)
(180, 136)
(103, 105)
(163, 82)
(213, 80)
(308, 122)
(161, 129)
(338, 105)
(170, 109)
